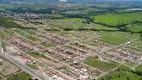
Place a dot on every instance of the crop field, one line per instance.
(117, 19)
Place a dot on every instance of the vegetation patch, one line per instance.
(117, 20)
(7, 23)
(35, 54)
(117, 37)
(48, 45)
(138, 70)
(121, 76)
(102, 65)
(135, 28)
(32, 65)
(21, 76)
(33, 38)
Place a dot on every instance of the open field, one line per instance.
(118, 37)
(102, 65)
(6, 23)
(7, 68)
(117, 19)
(134, 28)
(20, 76)
(121, 76)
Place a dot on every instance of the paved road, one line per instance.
(27, 69)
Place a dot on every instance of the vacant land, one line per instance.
(100, 64)
(21, 76)
(7, 68)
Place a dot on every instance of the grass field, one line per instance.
(117, 19)
(139, 69)
(6, 23)
(137, 45)
(97, 63)
(21, 76)
(117, 37)
(135, 28)
(79, 24)
(121, 76)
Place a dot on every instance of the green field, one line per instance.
(117, 19)
(97, 63)
(117, 37)
(138, 70)
(123, 68)
(79, 24)
(136, 45)
(7, 23)
(21, 76)
(121, 76)
(134, 28)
